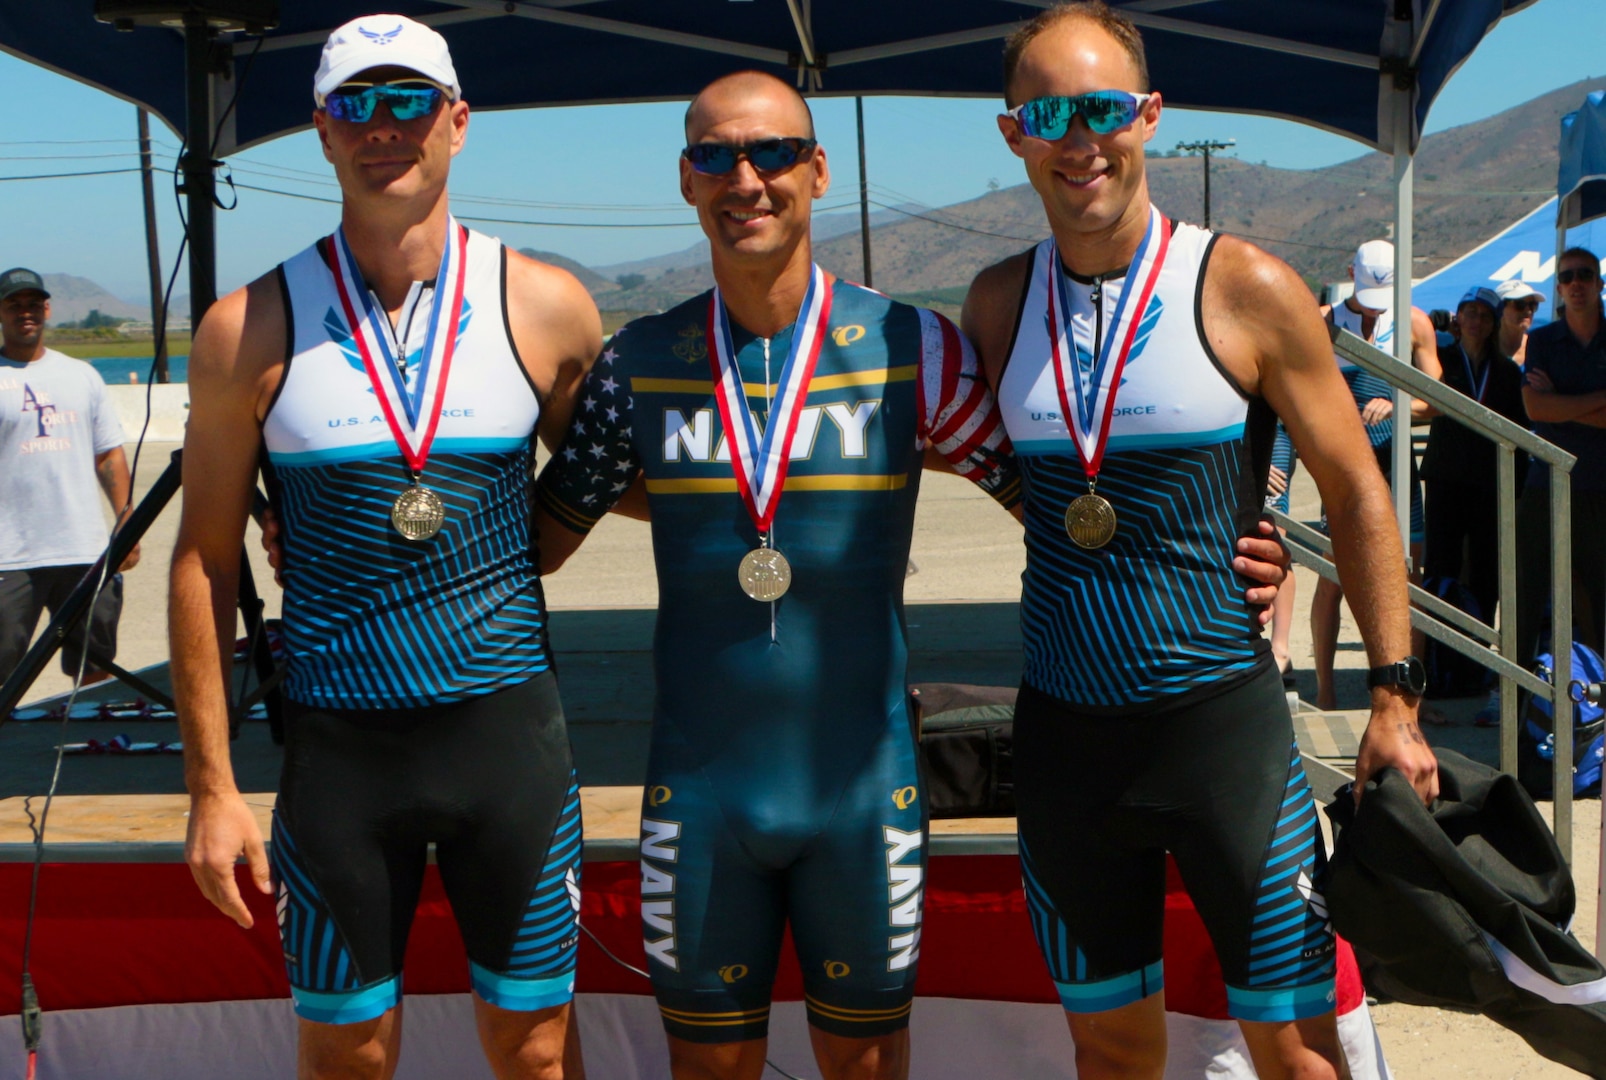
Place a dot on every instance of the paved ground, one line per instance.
(967, 562)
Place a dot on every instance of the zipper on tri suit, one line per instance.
(1097, 296)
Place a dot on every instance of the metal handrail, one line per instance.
(1467, 636)
(1450, 402)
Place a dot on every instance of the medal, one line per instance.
(764, 574)
(1090, 521)
(761, 464)
(412, 412)
(1087, 394)
(418, 513)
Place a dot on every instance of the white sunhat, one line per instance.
(371, 41)
(1374, 275)
(1516, 289)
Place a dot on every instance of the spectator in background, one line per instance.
(59, 438)
(1459, 477)
(1369, 314)
(1444, 328)
(1518, 303)
(1565, 395)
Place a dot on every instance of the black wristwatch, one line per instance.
(1408, 674)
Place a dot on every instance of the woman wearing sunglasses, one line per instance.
(1565, 394)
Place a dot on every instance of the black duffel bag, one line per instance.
(965, 735)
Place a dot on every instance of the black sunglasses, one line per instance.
(765, 155)
(1583, 273)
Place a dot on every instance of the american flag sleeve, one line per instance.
(597, 460)
(959, 415)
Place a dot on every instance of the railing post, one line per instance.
(1507, 458)
(1561, 652)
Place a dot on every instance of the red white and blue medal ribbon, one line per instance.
(412, 414)
(1087, 393)
(1087, 396)
(1475, 387)
(761, 463)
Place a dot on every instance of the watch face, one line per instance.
(1415, 676)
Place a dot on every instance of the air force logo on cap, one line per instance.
(371, 41)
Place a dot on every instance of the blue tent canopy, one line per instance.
(1524, 250)
(1332, 63)
(1581, 179)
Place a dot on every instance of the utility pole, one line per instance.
(1206, 147)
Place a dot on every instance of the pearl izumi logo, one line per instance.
(904, 797)
(658, 880)
(903, 895)
(731, 972)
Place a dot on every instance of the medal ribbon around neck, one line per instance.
(1476, 387)
(1089, 424)
(373, 338)
(761, 464)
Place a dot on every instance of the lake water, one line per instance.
(116, 370)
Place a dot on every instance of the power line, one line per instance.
(66, 175)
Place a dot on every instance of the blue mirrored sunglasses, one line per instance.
(1104, 111)
(356, 102)
(765, 155)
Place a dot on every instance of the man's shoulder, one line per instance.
(1549, 333)
(677, 334)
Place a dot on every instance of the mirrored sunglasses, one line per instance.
(1103, 111)
(765, 155)
(356, 102)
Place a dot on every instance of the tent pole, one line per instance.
(199, 182)
(153, 257)
(864, 196)
(1403, 262)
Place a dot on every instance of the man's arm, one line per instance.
(1264, 325)
(1425, 356)
(111, 469)
(558, 334)
(236, 356)
(1543, 403)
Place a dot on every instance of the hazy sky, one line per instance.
(615, 164)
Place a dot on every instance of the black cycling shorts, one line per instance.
(1219, 784)
(489, 781)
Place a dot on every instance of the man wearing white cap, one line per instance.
(396, 374)
(1368, 313)
(1519, 301)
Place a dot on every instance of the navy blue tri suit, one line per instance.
(422, 705)
(1151, 718)
(782, 780)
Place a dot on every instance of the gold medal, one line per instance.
(764, 574)
(1090, 521)
(418, 513)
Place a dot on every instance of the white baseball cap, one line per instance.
(371, 41)
(1516, 289)
(1374, 275)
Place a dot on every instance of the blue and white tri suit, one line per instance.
(1150, 717)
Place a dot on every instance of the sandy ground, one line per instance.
(965, 549)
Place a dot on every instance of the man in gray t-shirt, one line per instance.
(59, 438)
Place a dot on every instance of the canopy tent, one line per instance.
(1522, 251)
(1332, 63)
(1581, 178)
(1369, 69)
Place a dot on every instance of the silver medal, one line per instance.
(418, 513)
(764, 574)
